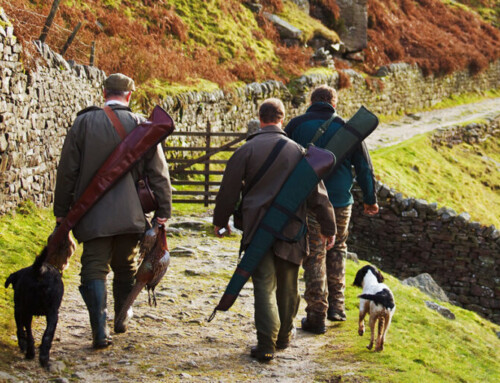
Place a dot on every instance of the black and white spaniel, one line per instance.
(377, 301)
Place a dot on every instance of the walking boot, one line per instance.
(262, 354)
(121, 290)
(94, 295)
(335, 315)
(283, 343)
(314, 324)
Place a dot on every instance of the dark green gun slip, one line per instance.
(316, 165)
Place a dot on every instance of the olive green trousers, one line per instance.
(117, 253)
(277, 299)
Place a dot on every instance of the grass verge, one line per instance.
(421, 345)
(465, 177)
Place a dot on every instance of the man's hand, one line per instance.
(370, 210)
(222, 231)
(328, 240)
(161, 221)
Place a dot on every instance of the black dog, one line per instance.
(38, 290)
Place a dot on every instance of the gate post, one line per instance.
(207, 164)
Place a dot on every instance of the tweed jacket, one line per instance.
(242, 167)
(88, 144)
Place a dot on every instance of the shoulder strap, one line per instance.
(116, 122)
(266, 165)
(322, 129)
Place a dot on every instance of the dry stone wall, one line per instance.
(399, 88)
(36, 109)
(412, 236)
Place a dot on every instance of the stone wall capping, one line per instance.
(464, 217)
(411, 213)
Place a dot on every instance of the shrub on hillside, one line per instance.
(439, 38)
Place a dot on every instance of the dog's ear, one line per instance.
(380, 277)
(360, 275)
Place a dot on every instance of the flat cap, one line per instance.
(119, 82)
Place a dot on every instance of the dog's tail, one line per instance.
(11, 280)
(383, 298)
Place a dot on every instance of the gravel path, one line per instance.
(395, 132)
(174, 342)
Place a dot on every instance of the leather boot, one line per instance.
(121, 290)
(94, 295)
(314, 324)
(335, 315)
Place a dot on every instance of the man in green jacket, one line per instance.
(275, 279)
(111, 229)
(325, 273)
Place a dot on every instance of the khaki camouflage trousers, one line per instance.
(335, 260)
(324, 272)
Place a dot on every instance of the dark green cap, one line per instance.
(119, 82)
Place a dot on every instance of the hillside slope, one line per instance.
(222, 41)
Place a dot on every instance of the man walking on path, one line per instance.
(111, 229)
(325, 273)
(275, 279)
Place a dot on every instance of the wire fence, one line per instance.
(28, 25)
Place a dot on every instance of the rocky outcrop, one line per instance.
(440, 309)
(425, 283)
(354, 16)
(289, 34)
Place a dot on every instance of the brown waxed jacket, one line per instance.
(89, 142)
(242, 167)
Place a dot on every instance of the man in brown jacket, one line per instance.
(111, 229)
(275, 279)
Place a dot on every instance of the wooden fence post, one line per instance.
(70, 38)
(49, 20)
(207, 165)
(92, 54)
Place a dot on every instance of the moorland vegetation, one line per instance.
(219, 43)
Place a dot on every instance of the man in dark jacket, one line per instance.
(111, 229)
(275, 279)
(325, 276)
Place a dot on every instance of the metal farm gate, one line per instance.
(207, 145)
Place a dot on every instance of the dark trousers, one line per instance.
(117, 253)
(276, 299)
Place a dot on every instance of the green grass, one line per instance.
(230, 33)
(421, 345)
(148, 93)
(465, 177)
(465, 98)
